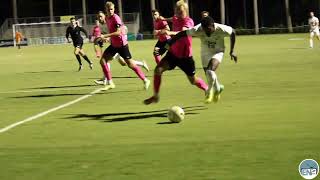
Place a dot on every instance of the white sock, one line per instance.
(212, 80)
(110, 81)
(311, 43)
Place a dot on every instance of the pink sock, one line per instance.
(156, 83)
(157, 59)
(138, 71)
(106, 71)
(201, 84)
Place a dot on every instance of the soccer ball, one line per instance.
(175, 114)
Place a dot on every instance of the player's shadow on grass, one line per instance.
(60, 87)
(72, 94)
(126, 116)
(35, 72)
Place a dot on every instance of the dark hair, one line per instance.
(207, 21)
(154, 10)
(204, 12)
(72, 18)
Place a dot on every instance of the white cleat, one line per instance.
(145, 66)
(146, 84)
(108, 87)
(101, 82)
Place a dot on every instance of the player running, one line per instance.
(212, 49)
(159, 24)
(74, 30)
(179, 54)
(314, 28)
(119, 44)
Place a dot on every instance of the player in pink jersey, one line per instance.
(119, 44)
(97, 40)
(159, 24)
(179, 54)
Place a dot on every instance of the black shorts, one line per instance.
(98, 41)
(123, 52)
(78, 44)
(161, 46)
(185, 64)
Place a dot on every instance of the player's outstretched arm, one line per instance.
(232, 43)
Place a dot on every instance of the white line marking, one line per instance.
(49, 111)
(296, 39)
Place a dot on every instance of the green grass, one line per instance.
(266, 123)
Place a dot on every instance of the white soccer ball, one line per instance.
(175, 114)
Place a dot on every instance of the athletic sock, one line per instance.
(213, 80)
(85, 57)
(79, 59)
(106, 71)
(201, 84)
(139, 72)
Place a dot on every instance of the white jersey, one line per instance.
(212, 47)
(214, 42)
(314, 24)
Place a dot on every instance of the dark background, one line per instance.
(239, 13)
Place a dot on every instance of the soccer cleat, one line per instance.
(80, 68)
(153, 99)
(145, 66)
(146, 83)
(101, 82)
(108, 87)
(216, 96)
(91, 65)
(209, 96)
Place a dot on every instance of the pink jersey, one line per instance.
(113, 23)
(182, 48)
(158, 25)
(96, 31)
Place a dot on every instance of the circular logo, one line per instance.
(309, 169)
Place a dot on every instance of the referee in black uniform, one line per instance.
(74, 30)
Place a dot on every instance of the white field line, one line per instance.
(49, 111)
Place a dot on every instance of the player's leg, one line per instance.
(19, 43)
(98, 44)
(164, 65)
(122, 62)
(85, 57)
(125, 53)
(187, 65)
(77, 54)
(212, 77)
(159, 50)
(311, 39)
(105, 59)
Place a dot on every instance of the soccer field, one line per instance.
(266, 123)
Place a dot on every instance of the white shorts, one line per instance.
(206, 57)
(314, 32)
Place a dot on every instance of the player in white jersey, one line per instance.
(314, 28)
(212, 49)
